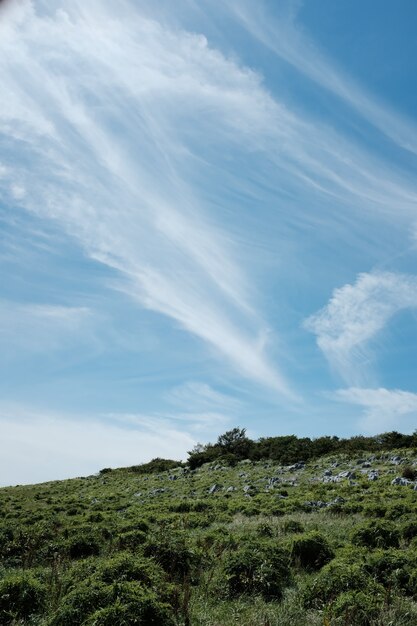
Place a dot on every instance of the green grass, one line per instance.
(126, 547)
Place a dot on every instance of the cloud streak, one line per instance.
(288, 41)
(82, 78)
(115, 120)
(39, 327)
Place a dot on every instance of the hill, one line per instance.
(328, 541)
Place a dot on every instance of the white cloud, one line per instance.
(356, 313)
(201, 396)
(290, 42)
(196, 421)
(383, 408)
(39, 327)
(39, 446)
(109, 160)
(119, 117)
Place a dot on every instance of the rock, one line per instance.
(399, 480)
(347, 474)
(297, 466)
(214, 488)
(396, 460)
(316, 504)
(272, 480)
(328, 472)
(230, 489)
(332, 479)
(172, 477)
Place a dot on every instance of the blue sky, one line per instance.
(207, 219)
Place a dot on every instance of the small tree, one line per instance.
(235, 442)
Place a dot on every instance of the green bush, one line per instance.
(292, 526)
(21, 595)
(131, 540)
(122, 567)
(409, 472)
(264, 530)
(389, 567)
(95, 603)
(409, 530)
(357, 608)
(337, 577)
(376, 534)
(83, 545)
(257, 568)
(311, 551)
(172, 554)
(156, 466)
(135, 606)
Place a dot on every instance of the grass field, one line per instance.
(327, 543)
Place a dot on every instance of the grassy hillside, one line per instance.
(326, 543)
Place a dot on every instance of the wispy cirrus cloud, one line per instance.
(356, 313)
(202, 396)
(382, 408)
(39, 327)
(117, 120)
(290, 42)
(127, 201)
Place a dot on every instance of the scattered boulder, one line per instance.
(399, 480)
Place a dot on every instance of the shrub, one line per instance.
(123, 603)
(357, 608)
(264, 530)
(337, 577)
(83, 545)
(376, 535)
(133, 606)
(156, 466)
(172, 554)
(389, 567)
(131, 540)
(254, 568)
(409, 472)
(409, 530)
(21, 595)
(311, 551)
(122, 567)
(292, 526)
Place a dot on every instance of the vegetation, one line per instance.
(275, 532)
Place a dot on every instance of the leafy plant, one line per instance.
(311, 551)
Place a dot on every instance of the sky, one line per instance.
(207, 220)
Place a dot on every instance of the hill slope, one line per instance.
(328, 542)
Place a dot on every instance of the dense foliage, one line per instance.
(235, 446)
